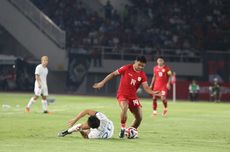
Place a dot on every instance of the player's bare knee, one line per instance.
(35, 97)
(124, 109)
(44, 97)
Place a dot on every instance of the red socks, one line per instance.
(155, 104)
(123, 123)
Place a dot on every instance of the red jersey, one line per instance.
(130, 81)
(162, 75)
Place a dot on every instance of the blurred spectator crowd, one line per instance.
(176, 24)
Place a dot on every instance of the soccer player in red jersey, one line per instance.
(132, 76)
(161, 82)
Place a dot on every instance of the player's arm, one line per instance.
(106, 79)
(148, 89)
(169, 73)
(152, 82)
(37, 77)
(80, 115)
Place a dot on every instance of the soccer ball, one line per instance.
(131, 133)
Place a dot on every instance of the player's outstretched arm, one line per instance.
(105, 80)
(80, 115)
(149, 90)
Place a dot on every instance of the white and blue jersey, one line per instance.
(105, 129)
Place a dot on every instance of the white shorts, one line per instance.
(104, 134)
(41, 91)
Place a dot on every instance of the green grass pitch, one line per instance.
(189, 127)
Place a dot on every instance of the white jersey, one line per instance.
(105, 129)
(42, 72)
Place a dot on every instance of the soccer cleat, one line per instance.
(27, 109)
(63, 133)
(47, 112)
(154, 112)
(122, 133)
(165, 112)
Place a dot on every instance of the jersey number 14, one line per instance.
(133, 82)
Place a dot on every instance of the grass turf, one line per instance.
(195, 127)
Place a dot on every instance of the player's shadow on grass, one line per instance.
(104, 140)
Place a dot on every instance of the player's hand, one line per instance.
(98, 85)
(168, 86)
(151, 87)
(78, 127)
(156, 93)
(71, 122)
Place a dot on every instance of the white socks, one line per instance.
(44, 105)
(30, 102)
(74, 128)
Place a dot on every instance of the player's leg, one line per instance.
(196, 96)
(37, 93)
(165, 102)
(30, 103)
(44, 100)
(72, 129)
(137, 113)
(193, 96)
(219, 96)
(123, 116)
(135, 108)
(44, 104)
(155, 105)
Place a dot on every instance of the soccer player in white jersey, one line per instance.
(98, 126)
(40, 86)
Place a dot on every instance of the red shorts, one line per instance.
(133, 103)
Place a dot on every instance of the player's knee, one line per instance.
(163, 98)
(35, 97)
(124, 109)
(44, 97)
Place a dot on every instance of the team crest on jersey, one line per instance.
(163, 70)
(139, 79)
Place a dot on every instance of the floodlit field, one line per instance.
(195, 127)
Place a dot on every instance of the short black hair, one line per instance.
(160, 57)
(141, 59)
(93, 122)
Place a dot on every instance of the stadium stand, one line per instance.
(154, 23)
